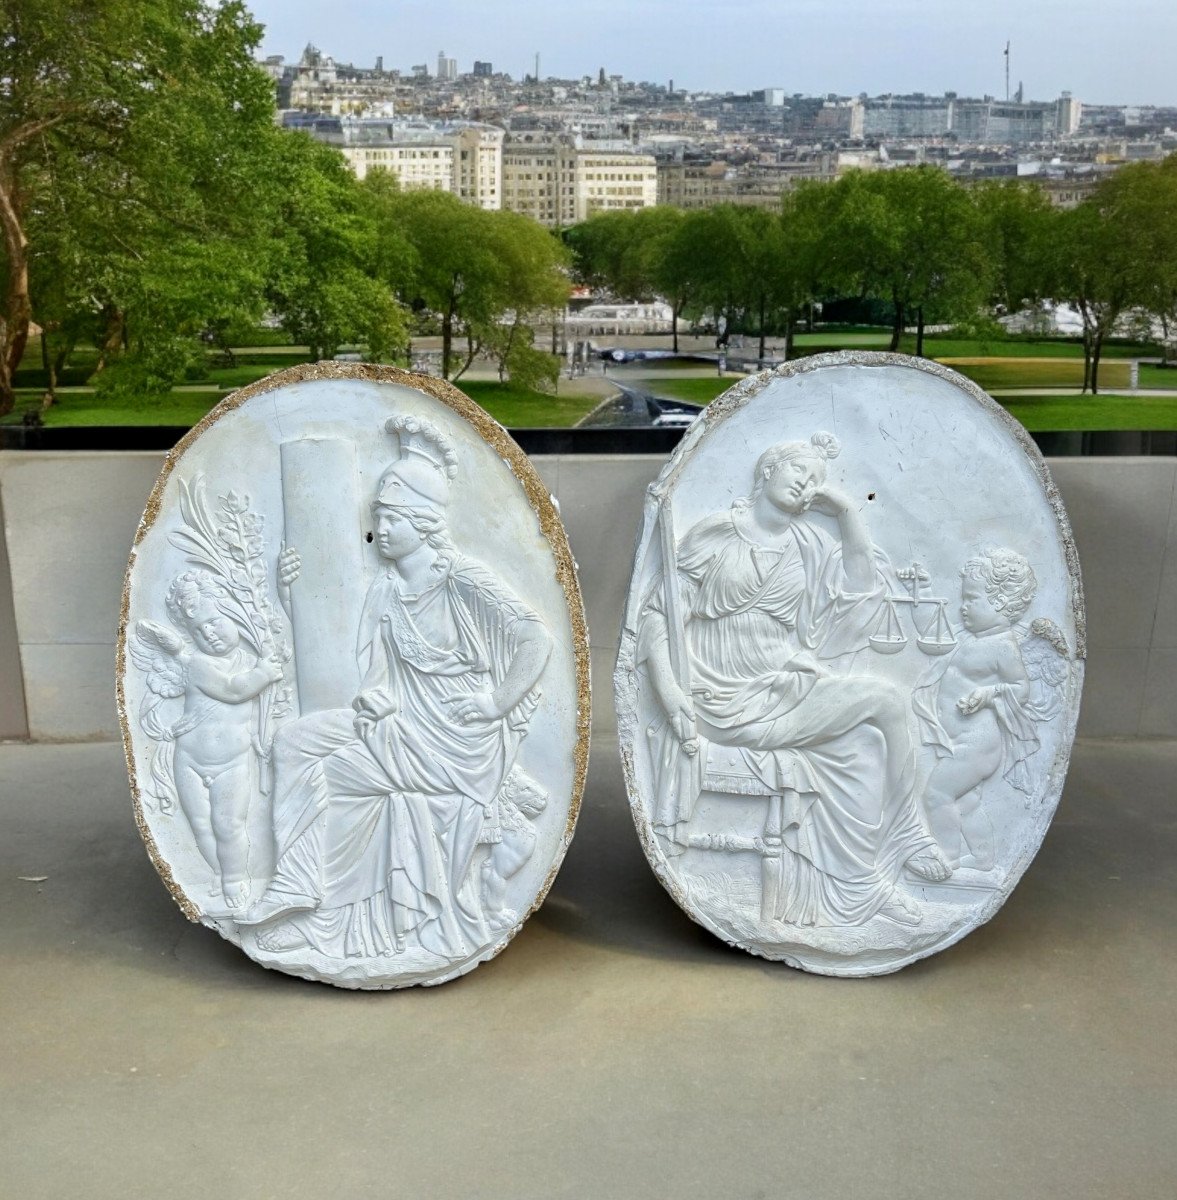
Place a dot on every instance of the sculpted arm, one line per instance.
(858, 562)
(533, 645)
(533, 648)
(375, 699)
(676, 703)
(233, 689)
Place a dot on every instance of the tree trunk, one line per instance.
(789, 331)
(17, 311)
(761, 353)
(919, 332)
(675, 309)
(114, 340)
(809, 317)
(48, 367)
(61, 361)
(447, 342)
(897, 327)
(1096, 351)
(1086, 361)
(472, 348)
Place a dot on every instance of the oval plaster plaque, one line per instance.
(850, 664)
(353, 678)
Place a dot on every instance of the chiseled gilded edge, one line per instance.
(542, 505)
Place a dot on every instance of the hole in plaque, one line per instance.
(869, 496)
(368, 537)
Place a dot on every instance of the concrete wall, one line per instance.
(68, 521)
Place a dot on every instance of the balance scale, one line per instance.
(936, 635)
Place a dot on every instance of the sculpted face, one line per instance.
(792, 484)
(977, 613)
(211, 630)
(395, 535)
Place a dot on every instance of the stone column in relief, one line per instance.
(323, 522)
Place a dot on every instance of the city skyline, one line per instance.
(897, 46)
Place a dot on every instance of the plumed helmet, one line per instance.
(425, 464)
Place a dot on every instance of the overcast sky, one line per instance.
(1122, 51)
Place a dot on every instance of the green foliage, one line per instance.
(331, 273)
(486, 274)
(130, 134)
(1116, 251)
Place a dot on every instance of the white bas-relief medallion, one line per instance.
(353, 678)
(850, 664)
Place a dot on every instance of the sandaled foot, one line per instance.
(929, 864)
(270, 907)
(237, 894)
(900, 909)
(280, 938)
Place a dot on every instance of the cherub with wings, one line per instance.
(978, 708)
(204, 757)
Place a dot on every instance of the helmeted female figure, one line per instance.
(378, 809)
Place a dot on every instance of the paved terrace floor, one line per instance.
(614, 1050)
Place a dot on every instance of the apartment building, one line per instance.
(462, 158)
(696, 184)
(562, 182)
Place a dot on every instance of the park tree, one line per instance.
(710, 240)
(1015, 227)
(821, 269)
(129, 138)
(533, 282)
(336, 262)
(605, 256)
(486, 275)
(911, 237)
(1114, 253)
(1154, 213)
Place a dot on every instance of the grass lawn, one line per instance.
(88, 408)
(1035, 372)
(521, 408)
(518, 407)
(1157, 377)
(1040, 414)
(252, 367)
(694, 391)
(853, 338)
(945, 346)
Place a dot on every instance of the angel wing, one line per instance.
(1046, 655)
(157, 651)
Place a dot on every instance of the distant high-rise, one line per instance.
(447, 68)
(483, 68)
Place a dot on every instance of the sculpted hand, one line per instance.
(272, 667)
(370, 706)
(976, 700)
(289, 566)
(680, 710)
(472, 706)
(828, 500)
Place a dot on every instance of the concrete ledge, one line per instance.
(69, 518)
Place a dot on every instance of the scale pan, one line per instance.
(888, 645)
